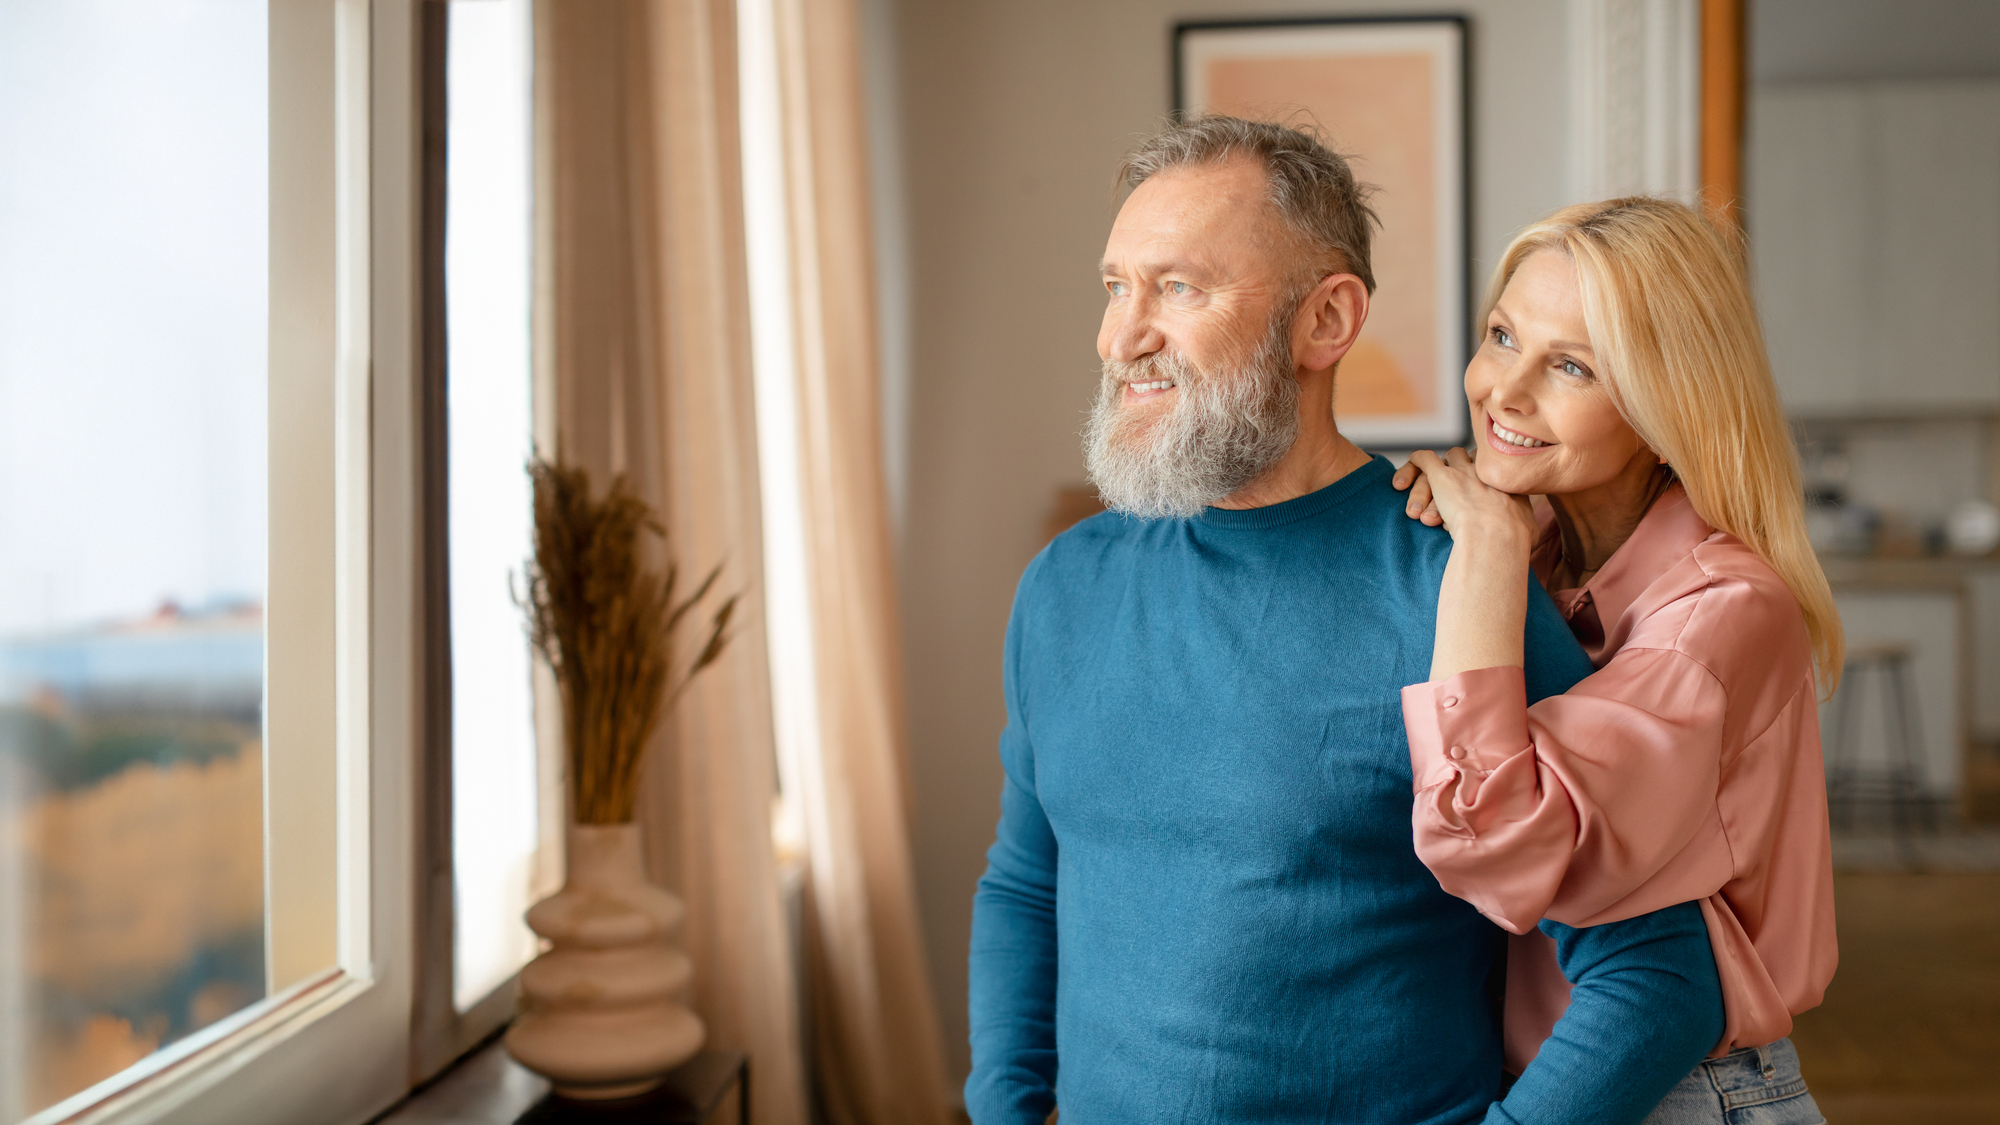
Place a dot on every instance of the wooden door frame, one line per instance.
(1724, 67)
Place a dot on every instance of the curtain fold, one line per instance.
(647, 327)
(878, 1051)
(649, 324)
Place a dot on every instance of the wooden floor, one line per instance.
(1910, 1030)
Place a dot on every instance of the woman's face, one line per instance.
(1541, 415)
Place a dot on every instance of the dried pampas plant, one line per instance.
(608, 623)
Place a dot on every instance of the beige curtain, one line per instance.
(878, 1050)
(647, 333)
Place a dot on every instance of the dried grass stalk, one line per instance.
(607, 623)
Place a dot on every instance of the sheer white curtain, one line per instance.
(645, 327)
(877, 1052)
(709, 318)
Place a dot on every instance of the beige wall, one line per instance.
(998, 126)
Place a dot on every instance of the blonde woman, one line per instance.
(1623, 378)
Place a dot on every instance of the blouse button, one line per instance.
(1451, 701)
(1457, 753)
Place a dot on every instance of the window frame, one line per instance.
(343, 636)
(441, 1033)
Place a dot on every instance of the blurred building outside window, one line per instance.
(133, 486)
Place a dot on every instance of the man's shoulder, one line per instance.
(1081, 550)
(1367, 526)
(1378, 513)
(1090, 539)
(1362, 517)
(1102, 527)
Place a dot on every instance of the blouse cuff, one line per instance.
(1475, 720)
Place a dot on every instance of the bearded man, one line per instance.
(1203, 903)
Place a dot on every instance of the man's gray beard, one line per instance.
(1226, 429)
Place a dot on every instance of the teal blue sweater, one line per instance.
(1203, 904)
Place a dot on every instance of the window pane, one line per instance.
(489, 401)
(132, 531)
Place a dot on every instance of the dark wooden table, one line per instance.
(693, 1094)
(488, 1088)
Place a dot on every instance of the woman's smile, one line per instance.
(1512, 442)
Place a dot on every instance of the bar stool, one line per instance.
(1898, 781)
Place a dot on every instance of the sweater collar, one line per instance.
(1299, 508)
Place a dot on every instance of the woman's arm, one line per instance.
(1595, 804)
(1483, 602)
(1589, 800)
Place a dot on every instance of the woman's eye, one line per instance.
(1502, 338)
(1575, 370)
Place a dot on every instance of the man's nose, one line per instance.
(1130, 333)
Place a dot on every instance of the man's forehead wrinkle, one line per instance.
(1168, 255)
(1223, 190)
(1156, 247)
(1194, 231)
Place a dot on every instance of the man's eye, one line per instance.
(1179, 288)
(1117, 288)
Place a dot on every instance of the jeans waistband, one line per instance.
(1752, 1075)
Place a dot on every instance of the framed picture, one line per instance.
(1390, 94)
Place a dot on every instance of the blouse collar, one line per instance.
(1667, 533)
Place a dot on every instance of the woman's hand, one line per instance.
(1483, 601)
(1452, 496)
(1419, 507)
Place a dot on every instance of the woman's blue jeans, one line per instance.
(1751, 1086)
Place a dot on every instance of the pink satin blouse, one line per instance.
(1687, 768)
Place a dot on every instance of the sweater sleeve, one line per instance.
(1645, 1008)
(1012, 978)
(1582, 807)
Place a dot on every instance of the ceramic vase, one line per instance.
(600, 1013)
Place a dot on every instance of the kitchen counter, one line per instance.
(1923, 572)
(1946, 609)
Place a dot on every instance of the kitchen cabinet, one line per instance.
(1807, 145)
(1874, 218)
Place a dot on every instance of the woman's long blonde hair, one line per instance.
(1675, 331)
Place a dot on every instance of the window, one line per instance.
(497, 831)
(215, 582)
(132, 533)
(207, 665)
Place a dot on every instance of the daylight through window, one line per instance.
(133, 202)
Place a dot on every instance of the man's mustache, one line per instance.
(1164, 364)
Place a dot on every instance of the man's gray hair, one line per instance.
(1311, 186)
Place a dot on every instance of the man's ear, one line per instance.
(1329, 321)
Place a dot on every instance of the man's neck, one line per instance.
(1319, 457)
